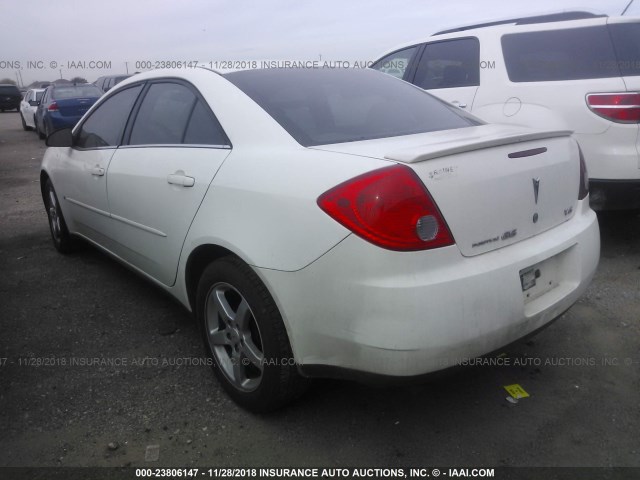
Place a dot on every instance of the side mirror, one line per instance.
(60, 138)
(34, 103)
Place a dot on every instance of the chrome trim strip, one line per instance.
(117, 217)
(528, 153)
(139, 225)
(614, 106)
(88, 207)
(177, 145)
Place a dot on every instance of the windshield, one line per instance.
(324, 106)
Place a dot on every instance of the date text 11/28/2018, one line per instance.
(250, 473)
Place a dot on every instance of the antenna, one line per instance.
(626, 8)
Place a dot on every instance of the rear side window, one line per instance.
(626, 39)
(554, 55)
(163, 116)
(449, 64)
(105, 125)
(171, 114)
(203, 128)
(396, 63)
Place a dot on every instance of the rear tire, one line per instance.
(245, 337)
(62, 240)
(25, 127)
(40, 134)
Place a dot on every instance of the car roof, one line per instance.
(512, 25)
(535, 19)
(114, 76)
(65, 85)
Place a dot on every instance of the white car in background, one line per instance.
(573, 70)
(28, 107)
(337, 223)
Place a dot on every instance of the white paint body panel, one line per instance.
(345, 302)
(611, 150)
(150, 216)
(26, 110)
(404, 314)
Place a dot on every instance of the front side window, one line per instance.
(396, 64)
(105, 125)
(555, 55)
(449, 64)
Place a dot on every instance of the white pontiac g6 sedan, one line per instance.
(326, 223)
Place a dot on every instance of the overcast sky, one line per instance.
(55, 33)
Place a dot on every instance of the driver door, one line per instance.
(84, 185)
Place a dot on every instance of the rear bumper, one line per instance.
(58, 121)
(381, 380)
(365, 311)
(614, 194)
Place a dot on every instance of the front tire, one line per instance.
(62, 240)
(244, 335)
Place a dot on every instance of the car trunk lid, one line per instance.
(73, 107)
(494, 184)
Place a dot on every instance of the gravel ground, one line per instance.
(582, 373)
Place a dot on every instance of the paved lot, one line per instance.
(582, 372)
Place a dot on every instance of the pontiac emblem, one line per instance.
(536, 188)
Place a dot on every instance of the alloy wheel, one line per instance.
(234, 337)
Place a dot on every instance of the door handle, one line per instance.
(179, 178)
(458, 104)
(97, 171)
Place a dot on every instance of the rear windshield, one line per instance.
(9, 90)
(77, 91)
(39, 95)
(324, 106)
(552, 55)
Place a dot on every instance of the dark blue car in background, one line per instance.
(63, 105)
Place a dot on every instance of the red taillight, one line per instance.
(53, 107)
(584, 178)
(390, 208)
(617, 107)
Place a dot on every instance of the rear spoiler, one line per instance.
(480, 137)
